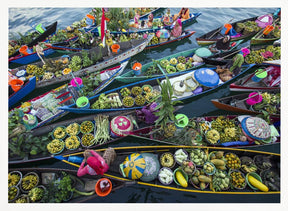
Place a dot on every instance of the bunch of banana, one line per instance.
(249, 169)
(30, 69)
(29, 182)
(154, 41)
(13, 179)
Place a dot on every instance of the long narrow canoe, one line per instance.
(30, 58)
(65, 45)
(130, 76)
(127, 50)
(187, 96)
(27, 88)
(49, 30)
(261, 39)
(64, 95)
(192, 19)
(85, 184)
(237, 103)
(212, 36)
(270, 82)
(44, 133)
(194, 133)
(149, 156)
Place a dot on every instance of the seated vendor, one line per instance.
(177, 30)
(223, 43)
(150, 20)
(183, 14)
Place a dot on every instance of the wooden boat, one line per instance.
(148, 70)
(270, 82)
(155, 153)
(49, 30)
(212, 36)
(192, 19)
(194, 134)
(84, 187)
(128, 49)
(27, 59)
(237, 103)
(27, 88)
(66, 45)
(20, 153)
(66, 94)
(184, 35)
(261, 39)
(154, 11)
(185, 97)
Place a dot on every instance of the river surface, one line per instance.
(211, 18)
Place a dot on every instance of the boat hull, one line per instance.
(24, 91)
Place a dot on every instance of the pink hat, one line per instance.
(95, 164)
(179, 22)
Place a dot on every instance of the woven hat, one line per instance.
(256, 128)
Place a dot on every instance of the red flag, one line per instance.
(103, 27)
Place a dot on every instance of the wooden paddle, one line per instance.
(217, 31)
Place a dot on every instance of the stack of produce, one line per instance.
(268, 54)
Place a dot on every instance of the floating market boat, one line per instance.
(153, 11)
(265, 78)
(53, 71)
(192, 19)
(239, 31)
(51, 180)
(184, 35)
(74, 135)
(251, 103)
(30, 58)
(267, 36)
(49, 30)
(16, 96)
(196, 82)
(199, 170)
(180, 63)
(43, 109)
(195, 132)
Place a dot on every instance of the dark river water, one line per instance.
(211, 18)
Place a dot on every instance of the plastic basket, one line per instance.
(214, 168)
(163, 181)
(17, 194)
(76, 146)
(162, 157)
(20, 179)
(183, 173)
(256, 176)
(73, 133)
(179, 162)
(88, 131)
(29, 173)
(60, 137)
(91, 143)
(245, 182)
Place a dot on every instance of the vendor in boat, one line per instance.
(223, 43)
(143, 24)
(150, 20)
(96, 164)
(177, 30)
(237, 62)
(136, 18)
(183, 14)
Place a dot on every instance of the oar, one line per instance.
(219, 29)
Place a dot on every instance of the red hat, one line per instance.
(95, 164)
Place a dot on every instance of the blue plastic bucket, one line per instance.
(90, 19)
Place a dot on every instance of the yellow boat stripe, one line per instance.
(180, 146)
